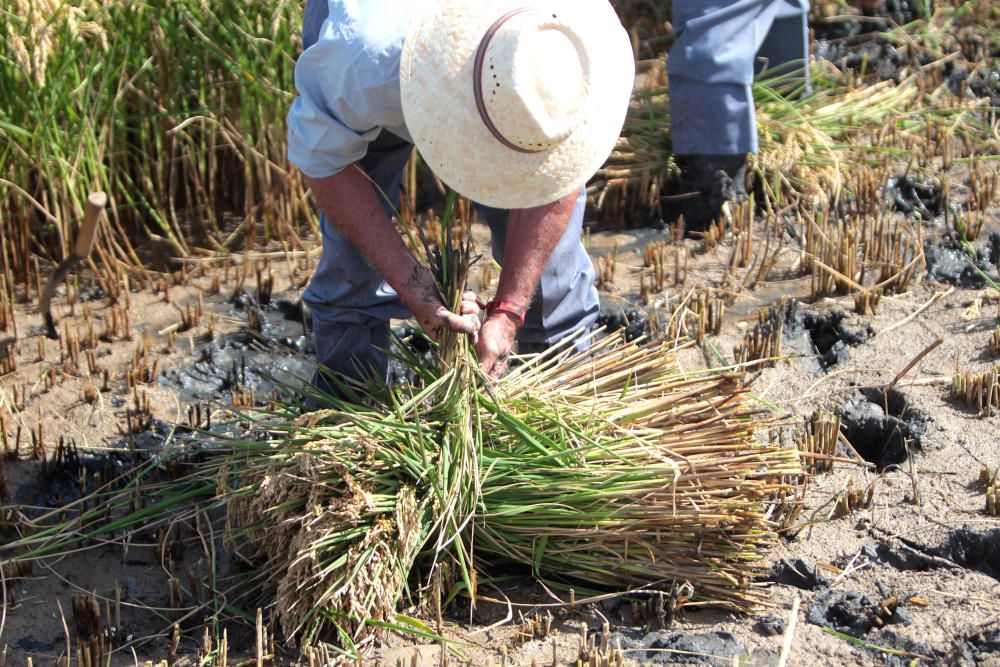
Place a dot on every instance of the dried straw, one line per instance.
(609, 469)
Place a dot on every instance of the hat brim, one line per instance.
(436, 86)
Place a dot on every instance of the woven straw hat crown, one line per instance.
(516, 104)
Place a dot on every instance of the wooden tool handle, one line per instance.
(84, 244)
(96, 201)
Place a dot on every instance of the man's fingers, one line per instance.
(470, 305)
(487, 358)
(492, 360)
(465, 323)
(499, 368)
(496, 340)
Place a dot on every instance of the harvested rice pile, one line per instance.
(612, 469)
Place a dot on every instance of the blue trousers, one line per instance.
(720, 45)
(352, 304)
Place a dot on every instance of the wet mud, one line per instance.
(881, 426)
(831, 333)
(264, 358)
(911, 194)
(632, 321)
(70, 474)
(948, 261)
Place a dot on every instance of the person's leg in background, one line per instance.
(711, 69)
(566, 300)
(785, 49)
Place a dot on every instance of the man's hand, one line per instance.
(420, 295)
(352, 207)
(532, 234)
(496, 340)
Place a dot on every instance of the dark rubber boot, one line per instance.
(706, 183)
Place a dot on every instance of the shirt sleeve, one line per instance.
(345, 98)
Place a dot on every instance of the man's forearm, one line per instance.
(352, 206)
(532, 235)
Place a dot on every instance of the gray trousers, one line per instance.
(352, 304)
(720, 45)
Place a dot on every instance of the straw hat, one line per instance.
(515, 103)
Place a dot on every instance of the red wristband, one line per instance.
(515, 310)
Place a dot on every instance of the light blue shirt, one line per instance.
(348, 84)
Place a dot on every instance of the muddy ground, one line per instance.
(925, 540)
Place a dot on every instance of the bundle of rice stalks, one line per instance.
(610, 468)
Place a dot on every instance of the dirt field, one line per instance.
(924, 543)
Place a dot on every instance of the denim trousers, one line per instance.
(721, 45)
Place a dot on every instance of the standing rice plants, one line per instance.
(176, 109)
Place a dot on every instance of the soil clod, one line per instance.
(798, 573)
(901, 555)
(894, 640)
(632, 321)
(881, 426)
(850, 612)
(707, 648)
(770, 625)
(830, 334)
(994, 246)
(912, 194)
(949, 263)
(978, 648)
(974, 550)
